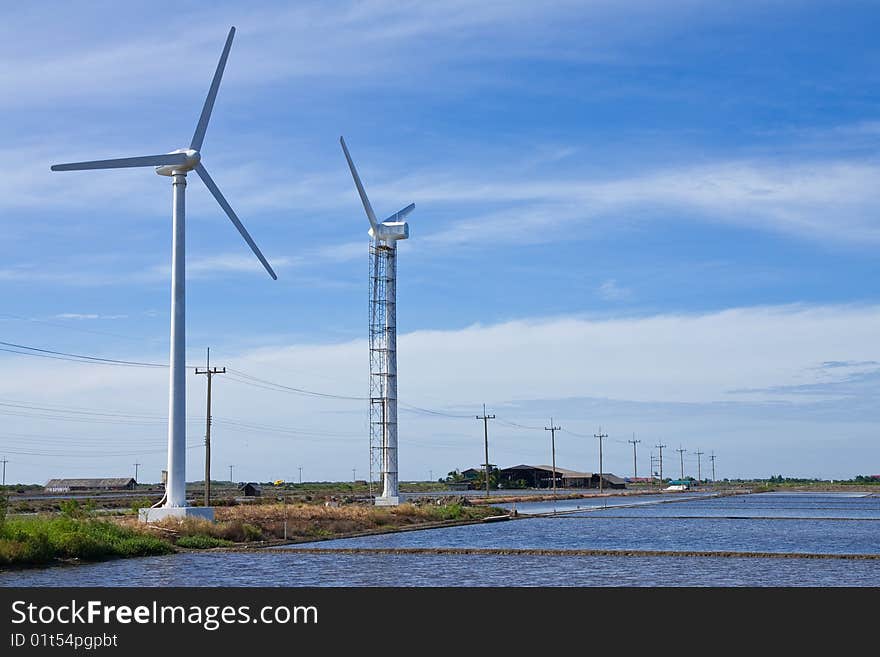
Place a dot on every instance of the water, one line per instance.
(826, 524)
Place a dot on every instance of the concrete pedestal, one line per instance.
(387, 501)
(179, 512)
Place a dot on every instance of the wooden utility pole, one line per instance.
(681, 459)
(231, 480)
(300, 474)
(600, 436)
(553, 429)
(699, 463)
(136, 466)
(712, 458)
(4, 461)
(485, 418)
(660, 447)
(210, 372)
(634, 442)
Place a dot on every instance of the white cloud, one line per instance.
(692, 363)
(78, 316)
(611, 291)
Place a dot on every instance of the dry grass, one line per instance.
(249, 523)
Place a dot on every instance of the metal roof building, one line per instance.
(541, 476)
(68, 485)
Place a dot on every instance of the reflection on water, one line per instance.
(756, 523)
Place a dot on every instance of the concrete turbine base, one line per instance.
(179, 512)
(387, 501)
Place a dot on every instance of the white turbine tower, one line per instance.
(176, 165)
(383, 339)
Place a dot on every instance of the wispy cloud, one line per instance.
(611, 291)
(312, 41)
(80, 316)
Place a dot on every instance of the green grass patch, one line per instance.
(42, 540)
(202, 542)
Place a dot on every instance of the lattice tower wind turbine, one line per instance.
(383, 337)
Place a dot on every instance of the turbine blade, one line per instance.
(400, 215)
(202, 127)
(212, 187)
(357, 181)
(124, 162)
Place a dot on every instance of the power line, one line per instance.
(78, 357)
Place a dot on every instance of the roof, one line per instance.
(250, 484)
(90, 483)
(570, 474)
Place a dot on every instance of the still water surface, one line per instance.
(780, 523)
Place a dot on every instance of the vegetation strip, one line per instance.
(602, 517)
(574, 553)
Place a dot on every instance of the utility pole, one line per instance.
(136, 465)
(699, 460)
(230, 474)
(353, 475)
(553, 429)
(4, 461)
(681, 459)
(634, 442)
(210, 372)
(485, 418)
(600, 436)
(712, 458)
(660, 447)
(300, 474)
(430, 475)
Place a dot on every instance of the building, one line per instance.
(541, 476)
(250, 489)
(71, 485)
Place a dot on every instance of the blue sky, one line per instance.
(658, 218)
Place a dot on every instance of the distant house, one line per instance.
(541, 476)
(71, 485)
(471, 473)
(250, 489)
(679, 484)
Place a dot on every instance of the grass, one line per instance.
(76, 534)
(202, 542)
(45, 539)
(306, 521)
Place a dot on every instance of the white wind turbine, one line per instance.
(383, 338)
(177, 164)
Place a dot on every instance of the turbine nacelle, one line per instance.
(394, 228)
(390, 231)
(191, 162)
